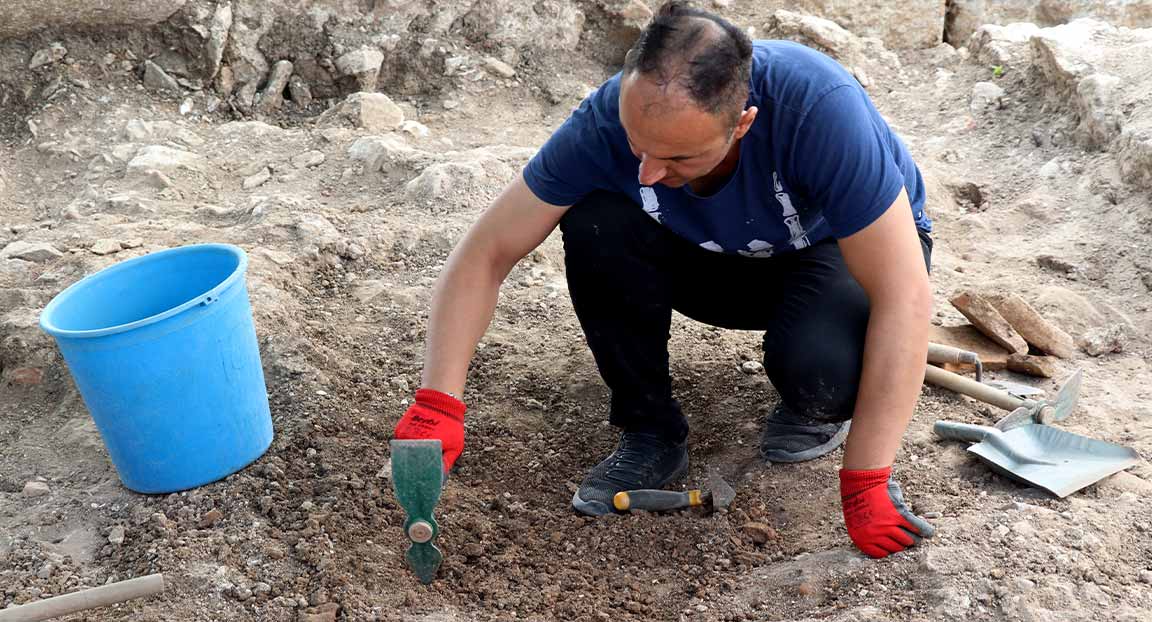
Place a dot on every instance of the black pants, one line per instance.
(626, 273)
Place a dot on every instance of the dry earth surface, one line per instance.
(123, 141)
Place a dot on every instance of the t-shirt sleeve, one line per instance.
(842, 158)
(570, 164)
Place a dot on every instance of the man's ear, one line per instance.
(745, 122)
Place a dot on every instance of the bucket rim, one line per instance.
(46, 316)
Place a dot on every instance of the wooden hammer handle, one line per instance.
(85, 599)
(971, 388)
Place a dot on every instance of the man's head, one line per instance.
(682, 94)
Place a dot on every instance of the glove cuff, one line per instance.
(442, 402)
(853, 481)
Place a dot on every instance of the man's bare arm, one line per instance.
(465, 296)
(886, 259)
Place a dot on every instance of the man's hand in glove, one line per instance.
(878, 521)
(435, 415)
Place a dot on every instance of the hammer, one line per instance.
(719, 496)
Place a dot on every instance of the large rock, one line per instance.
(911, 24)
(166, 160)
(36, 252)
(363, 65)
(21, 17)
(862, 56)
(371, 111)
(1002, 45)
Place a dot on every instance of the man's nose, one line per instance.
(651, 170)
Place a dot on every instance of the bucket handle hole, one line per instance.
(208, 300)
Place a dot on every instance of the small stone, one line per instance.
(261, 589)
(761, 533)
(299, 91)
(450, 104)
(1051, 170)
(371, 111)
(419, 130)
(51, 54)
(1103, 340)
(243, 593)
(752, 367)
(1039, 366)
(932, 515)
(25, 376)
(308, 159)
(116, 535)
(132, 243)
(257, 180)
(36, 489)
(363, 64)
(498, 67)
(157, 79)
(210, 518)
(721, 4)
(1023, 585)
(36, 252)
(986, 96)
(46, 570)
(1146, 576)
(105, 247)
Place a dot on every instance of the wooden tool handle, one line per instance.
(938, 353)
(971, 388)
(85, 599)
(656, 500)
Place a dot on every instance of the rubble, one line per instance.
(988, 320)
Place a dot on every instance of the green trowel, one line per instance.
(418, 477)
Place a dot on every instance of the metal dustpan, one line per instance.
(1042, 456)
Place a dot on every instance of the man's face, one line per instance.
(675, 141)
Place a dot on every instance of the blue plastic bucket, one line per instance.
(163, 350)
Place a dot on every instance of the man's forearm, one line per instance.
(895, 350)
(463, 304)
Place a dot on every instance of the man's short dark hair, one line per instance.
(682, 47)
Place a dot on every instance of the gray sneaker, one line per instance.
(788, 437)
(642, 460)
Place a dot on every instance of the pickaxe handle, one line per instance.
(971, 388)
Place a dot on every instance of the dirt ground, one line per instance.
(346, 236)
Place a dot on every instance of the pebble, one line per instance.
(51, 54)
(752, 367)
(308, 159)
(760, 533)
(261, 589)
(210, 518)
(36, 252)
(243, 594)
(46, 570)
(1146, 576)
(158, 79)
(1023, 585)
(257, 180)
(116, 536)
(499, 67)
(933, 514)
(105, 247)
(36, 489)
(132, 243)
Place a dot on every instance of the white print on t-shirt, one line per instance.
(758, 248)
(712, 246)
(651, 204)
(791, 218)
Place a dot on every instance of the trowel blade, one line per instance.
(722, 493)
(417, 475)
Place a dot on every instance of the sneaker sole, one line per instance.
(777, 455)
(599, 508)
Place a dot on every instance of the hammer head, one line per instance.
(722, 494)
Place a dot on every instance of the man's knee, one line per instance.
(817, 379)
(599, 222)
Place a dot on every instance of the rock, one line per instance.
(273, 96)
(1039, 366)
(498, 67)
(308, 159)
(23, 17)
(1101, 341)
(760, 533)
(986, 96)
(855, 53)
(217, 39)
(166, 160)
(105, 247)
(157, 79)
(966, 337)
(1135, 157)
(46, 570)
(376, 151)
(1069, 310)
(210, 518)
(116, 536)
(36, 252)
(322, 613)
(51, 54)
(988, 320)
(1055, 264)
(1001, 45)
(299, 92)
(1051, 169)
(243, 593)
(414, 129)
(247, 65)
(371, 111)
(258, 179)
(36, 489)
(915, 24)
(962, 19)
(752, 367)
(24, 376)
(261, 589)
(1020, 315)
(132, 243)
(1098, 100)
(364, 65)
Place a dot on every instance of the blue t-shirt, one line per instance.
(818, 162)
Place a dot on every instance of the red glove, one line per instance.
(878, 521)
(435, 415)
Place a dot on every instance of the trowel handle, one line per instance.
(939, 353)
(971, 388)
(954, 431)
